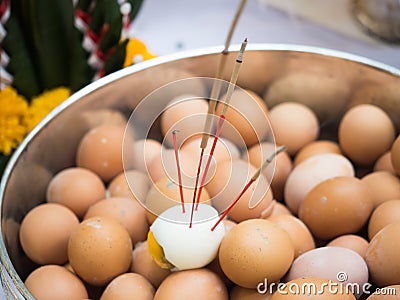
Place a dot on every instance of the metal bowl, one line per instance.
(50, 147)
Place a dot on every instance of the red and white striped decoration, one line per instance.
(5, 77)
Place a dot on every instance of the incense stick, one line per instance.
(178, 167)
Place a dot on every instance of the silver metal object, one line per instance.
(51, 146)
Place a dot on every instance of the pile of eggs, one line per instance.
(326, 209)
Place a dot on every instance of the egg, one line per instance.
(312, 171)
(229, 180)
(129, 213)
(165, 194)
(128, 286)
(145, 151)
(294, 125)
(55, 282)
(197, 284)
(352, 242)
(187, 114)
(334, 263)
(240, 293)
(276, 172)
(99, 250)
(143, 264)
(365, 133)
(174, 244)
(246, 118)
(100, 150)
(384, 163)
(276, 208)
(395, 155)
(130, 184)
(383, 256)
(254, 250)
(390, 292)
(336, 206)
(45, 231)
(300, 235)
(98, 117)
(314, 148)
(385, 214)
(383, 186)
(76, 188)
(312, 288)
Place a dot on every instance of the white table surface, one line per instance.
(168, 26)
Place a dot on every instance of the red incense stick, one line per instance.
(178, 167)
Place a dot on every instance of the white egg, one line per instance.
(184, 247)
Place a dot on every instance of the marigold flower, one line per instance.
(136, 51)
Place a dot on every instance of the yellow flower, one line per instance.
(43, 104)
(136, 51)
(13, 109)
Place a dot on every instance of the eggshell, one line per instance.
(384, 163)
(365, 133)
(276, 208)
(311, 172)
(299, 234)
(131, 184)
(55, 282)
(128, 286)
(145, 151)
(240, 293)
(129, 213)
(385, 214)
(76, 188)
(248, 116)
(99, 250)
(277, 171)
(383, 256)
(352, 242)
(390, 292)
(45, 231)
(383, 186)
(336, 206)
(395, 155)
(211, 286)
(334, 263)
(100, 151)
(143, 264)
(294, 125)
(254, 250)
(314, 148)
(312, 288)
(229, 180)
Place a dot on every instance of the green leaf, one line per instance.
(116, 60)
(3, 163)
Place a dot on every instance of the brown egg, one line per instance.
(130, 184)
(312, 171)
(294, 125)
(99, 250)
(383, 186)
(336, 206)
(127, 212)
(229, 224)
(365, 133)
(299, 234)
(254, 250)
(215, 266)
(100, 151)
(76, 188)
(196, 284)
(276, 208)
(229, 180)
(352, 242)
(55, 282)
(186, 113)
(165, 194)
(278, 170)
(45, 231)
(385, 214)
(240, 293)
(315, 286)
(338, 264)
(384, 163)
(390, 292)
(314, 148)
(383, 256)
(143, 264)
(395, 155)
(145, 151)
(128, 286)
